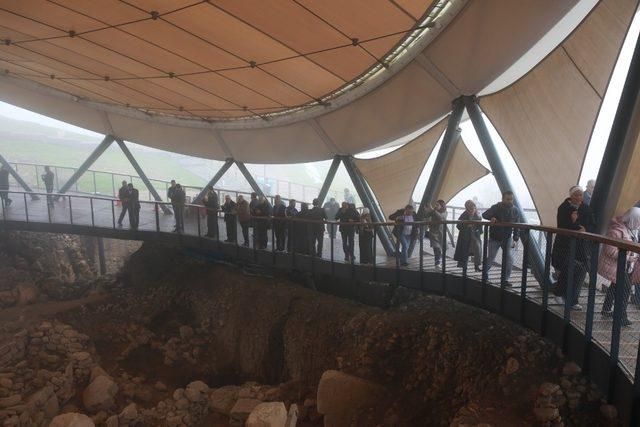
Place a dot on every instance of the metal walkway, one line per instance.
(585, 336)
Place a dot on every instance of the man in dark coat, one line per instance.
(316, 236)
(210, 201)
(502, 237)
(178, 198)
(301, 230)
(345, 215)
(229, 209)
(4, 186)
(331, 209)
(291, 212)
(261, 212)
(253, 203)
(123, 196)
(573, 214)
(134, 207)
(48, 178)
(279, 223)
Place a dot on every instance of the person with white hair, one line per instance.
(623, 227)
(365, 237)
(573, 214)
(588, 193)
(469, 241)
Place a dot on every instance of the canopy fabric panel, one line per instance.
(174, 69)
(463, 170)
(393, 177)
(546, 117)
(629, 194)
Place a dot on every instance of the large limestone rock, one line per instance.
(72, 419)
(243, 407)
(222, 400)
(341, 397)
(268, 414)
(196, 391)
(99, 395)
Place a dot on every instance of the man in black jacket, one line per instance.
(291, 212)
(4, 186)
(48, 178)
(123, 196)
(178, 198)
(279, 223)
(573, 214)
(134, 207)
(347, 214)
(261, 212)
(229, 209)
(210, 201)
(316, 235)
(504, 238)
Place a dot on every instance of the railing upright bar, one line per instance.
(523, 283)
(568, 301)
(546, 284)
(156, 209)
(26, 208)
(199, 227)
(375, 253)
(4, 209)
(37, 178)
(55, 171)
(293, 244)
(273, 240)
(591, 306)
(444, 259)
(420, 254)
(618, 309)
(113, 213)
(95, 186)
(465, 263)
(70, 211)
(398, 259)
(93, 222)
(485, 255)
(503, 272)
(332, 232)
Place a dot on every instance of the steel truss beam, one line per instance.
(502, 178)
(252, 182)
(18, 178)
(225, 167)
(367, 197)
(101, 148)
(142, 176)
(329, 179)
(617, 154)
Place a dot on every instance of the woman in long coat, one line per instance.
(365, 237)
(436, 214)
(623, 227)
(469, 242)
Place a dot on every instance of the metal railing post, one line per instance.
(591, 303)
(93, 222)
(26, 208)
(523, 283)
(503, 270)
(375, 254)
(485, 266)
(546, 284)
(568, 300)
(113, 213)
(444, 258)
(332, 241)
(618, 309)
(156, 209)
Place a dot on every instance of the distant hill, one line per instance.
(30, 131)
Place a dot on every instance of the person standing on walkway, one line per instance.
(229, 209)
(365, 237)
(624, 227)
(177, 201)
(316, 237)
(346, 215)
(261, 213)
(469, 242)
(502, 237)
(210, 201)
(48, 178)
(436, 214)
(348, 197)
(403, 230)
(301, 230)
(291, 212)
(244, 218)
(170, 196)
(4, 186)
(331, 209)
(279, 223)
(588, 193)
(573, 214)
(133, 207)
(123, 196)
(253, 203)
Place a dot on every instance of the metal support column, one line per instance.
(101, 148)
(447, 148)
(249, 178)
(142, 176)
(329, 179)
(367, 197)
(102, 262)
(225, 167)
(502, 178)
(618, 152)
(18, 178)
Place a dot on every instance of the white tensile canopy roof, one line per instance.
(274, 81)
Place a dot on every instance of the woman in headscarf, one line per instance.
(365, 237)
(469, 242)
(623, 227)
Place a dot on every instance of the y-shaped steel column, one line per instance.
(329, 179)
(18, 178)
(249, 178)
(225, 167)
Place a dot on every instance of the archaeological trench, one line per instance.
(166, 338)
